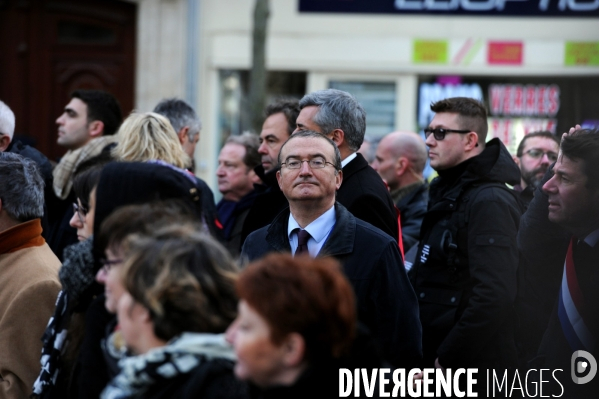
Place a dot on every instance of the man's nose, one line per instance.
(545, 159)
(262, 149)
(549, 186)
(305, 167)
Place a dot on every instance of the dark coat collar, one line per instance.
(340, 241)
(354, 166)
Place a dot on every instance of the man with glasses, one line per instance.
(339, 116)
(316, 225)
(464, 273)
(536, 152)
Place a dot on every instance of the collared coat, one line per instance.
(372, 263)
(365, 196)
(29, 286)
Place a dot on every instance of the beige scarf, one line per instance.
(63, 172)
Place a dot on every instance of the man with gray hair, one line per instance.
(186, 123)
(400, 160)
(7, 144)
(236, 177)
(184, 120)
(340, 117)
(29, 281)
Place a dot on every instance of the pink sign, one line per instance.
(505, 53)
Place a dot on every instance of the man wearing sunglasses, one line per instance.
(464, 273)
(536, 152)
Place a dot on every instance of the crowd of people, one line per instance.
(122, 278)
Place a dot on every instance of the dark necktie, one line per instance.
(302, 242)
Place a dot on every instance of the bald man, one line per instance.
(400, 160)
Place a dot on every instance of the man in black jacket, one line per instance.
(269, 201)
(464, 273)
(340, 117)
(317, 225)
(566, 266)
(400, 160)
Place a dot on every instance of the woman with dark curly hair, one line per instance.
(178, 299)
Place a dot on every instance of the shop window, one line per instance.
(379, 101)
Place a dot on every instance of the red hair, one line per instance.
(311, 297)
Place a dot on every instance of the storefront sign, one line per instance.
(430, 52)
(524, 100)
(582, 53)
(530, 8)
(505, 53)
(512, 130)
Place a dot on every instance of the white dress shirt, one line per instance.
(319, 231)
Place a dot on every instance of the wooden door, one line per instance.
(50, 48)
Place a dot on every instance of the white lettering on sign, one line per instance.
(488, 5)
(529, 100)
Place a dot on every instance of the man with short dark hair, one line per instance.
(28, 275)
(535, 153)
(560, 237)
(184, 120)
(316, 225)
(85, 128)
(276, 129)
(400, 160)
(339, 116)
(236, 178)
(464, 273)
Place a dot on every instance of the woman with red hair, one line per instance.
(296, 324)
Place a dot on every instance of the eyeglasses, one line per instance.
(537, 154)
(107, 264)
(315, 163)
(440, 132)
(80, 212)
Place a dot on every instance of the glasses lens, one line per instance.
(535, 153)
(552, 156)
(438, 133)
(317, 163)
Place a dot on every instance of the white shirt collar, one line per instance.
(348, 159)
(319, 230)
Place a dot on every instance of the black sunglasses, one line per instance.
(440, 132)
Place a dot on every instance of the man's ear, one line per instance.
(4, 142)
(516, 159)
(337, 136)
(183, 137)
(471, 141)
(279, 178)
(294, 348)
(95, 129)
(339, 179)
(401, 165)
